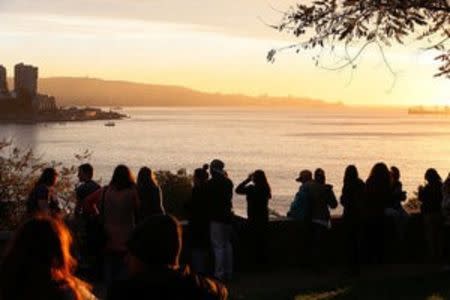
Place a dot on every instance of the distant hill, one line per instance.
(97, 92)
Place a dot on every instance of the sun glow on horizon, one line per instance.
(207, 57)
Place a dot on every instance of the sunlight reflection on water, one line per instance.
(279, 141)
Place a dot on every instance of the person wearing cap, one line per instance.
(300, 207)
(219, 190)
(153, 263)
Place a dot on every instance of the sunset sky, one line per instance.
(209, 45)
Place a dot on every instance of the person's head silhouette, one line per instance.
(155, 243)
(39, 255)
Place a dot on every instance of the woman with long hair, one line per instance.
(42, 198)
(378, 196)
(430, 195)
(352, 199)
(38, 264)
(118, 209)
(149, 194)
(257, 190)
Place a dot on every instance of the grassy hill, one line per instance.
(89, 91)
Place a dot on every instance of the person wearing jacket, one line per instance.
(258, 193)
(321, 197)
(219, 191)
(197, 209)
(153, 264)
(299, 209)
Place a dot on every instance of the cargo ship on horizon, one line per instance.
(438, 110)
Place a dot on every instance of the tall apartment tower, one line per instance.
(3, 80)
(25, 80)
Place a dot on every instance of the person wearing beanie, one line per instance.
(153, 263)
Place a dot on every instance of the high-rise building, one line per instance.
(3, 80)
(25, 80)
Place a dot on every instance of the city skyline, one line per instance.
(211, 47)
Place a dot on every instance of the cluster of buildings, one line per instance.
(24, 98)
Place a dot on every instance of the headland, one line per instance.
(24, 104)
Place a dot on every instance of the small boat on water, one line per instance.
(420, 110)
(110, 124)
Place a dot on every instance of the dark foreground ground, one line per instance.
(387, 282)
(396, 282)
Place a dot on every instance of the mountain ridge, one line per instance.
(85, 91)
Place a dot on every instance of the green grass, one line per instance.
(425, 287)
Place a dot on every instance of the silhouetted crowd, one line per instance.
(122, 237)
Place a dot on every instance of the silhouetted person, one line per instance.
(86, 233)
(153, 262)
(352, 199)
(197, 208)
(379, 194)
(86, 186)
(430, 196)
(42, 198)
(38, 264)
(396, 216)
(321, 198)
(118, 205)
(150, 195)
(220, 193)
(300, 207)
(398, 194)
(258, 192)
(446, 219)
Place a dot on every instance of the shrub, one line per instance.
(176, 189)
(19, 170)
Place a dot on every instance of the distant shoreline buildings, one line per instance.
(24, 99)
(25, 105)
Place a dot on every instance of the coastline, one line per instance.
(64, 115)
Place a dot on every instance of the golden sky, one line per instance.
(209, 45)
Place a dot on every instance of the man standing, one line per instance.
(87, 232)
(85, 187)
(300, 207)
(219, 191)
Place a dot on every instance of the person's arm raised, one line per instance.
(241, 189)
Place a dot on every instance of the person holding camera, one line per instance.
(258, 193)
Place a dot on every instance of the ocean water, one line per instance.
(279, 141)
